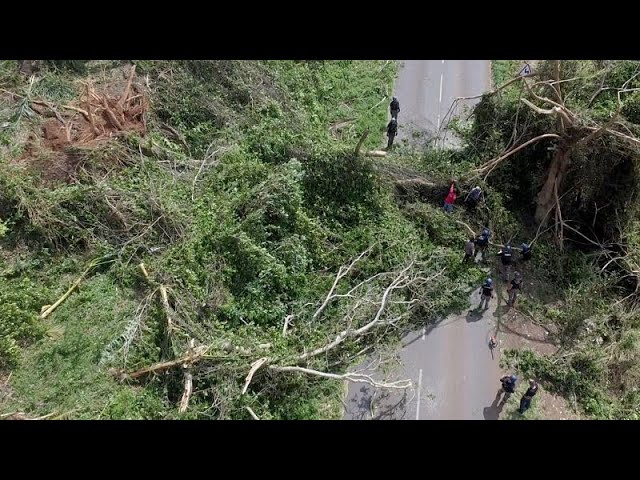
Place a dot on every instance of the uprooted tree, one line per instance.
(565, 145)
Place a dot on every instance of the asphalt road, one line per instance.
(449, 362)
(427, 89)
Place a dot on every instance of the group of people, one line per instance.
(515, 284)
(509, 386)
(392, 126)
(480, 244)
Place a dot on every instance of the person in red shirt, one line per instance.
(450, 198)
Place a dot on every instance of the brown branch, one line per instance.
(125, 94)
(361, 141)
(84, 113)
(111, 116)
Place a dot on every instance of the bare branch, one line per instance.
(255, 366)
(287, 320)
(342, 271)
(489, 166)
(206, 158)
(401, 281)
(360, 142)
(351, 377)
(252, 413)
(188, 383)
(192, 358)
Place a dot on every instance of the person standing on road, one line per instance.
(525, 401)
(392, 131)
(394, 108)
(526, 252)
(514, 288)
(469, 250)
(508, 387)
(486, 293)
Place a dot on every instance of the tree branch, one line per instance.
(255, 366)
(351, 377)
(489, 166)
(342, 271)
(252, 413)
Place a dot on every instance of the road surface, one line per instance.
(427, 89)
(452, 369)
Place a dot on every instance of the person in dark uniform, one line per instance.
(392, 131)
(394, 108)
(526, 252)
(525, 401)
(486, 293)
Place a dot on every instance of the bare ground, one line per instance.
(517, 331)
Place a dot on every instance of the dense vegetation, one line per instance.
(585, 268)
(242, 197)
(207, 212)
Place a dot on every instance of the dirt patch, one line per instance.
(516, 331)
(96, 117)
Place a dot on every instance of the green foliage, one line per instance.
(62, 373)
(20, 299)
(342, 187)
(504, 70)
(278, 211)
(581, 376)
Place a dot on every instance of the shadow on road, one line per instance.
(359, 407)
(369, 404)
(389, 410)
(492, 412)
(474, 315)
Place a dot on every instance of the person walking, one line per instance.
(514, 288)
(394, 108)
(486, 293)
(508, 387)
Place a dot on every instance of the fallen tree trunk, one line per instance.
(376, 153)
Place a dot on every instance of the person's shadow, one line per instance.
(492, 412)
(474, 315)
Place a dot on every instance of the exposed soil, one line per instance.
(518, 331)
(55, 151)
